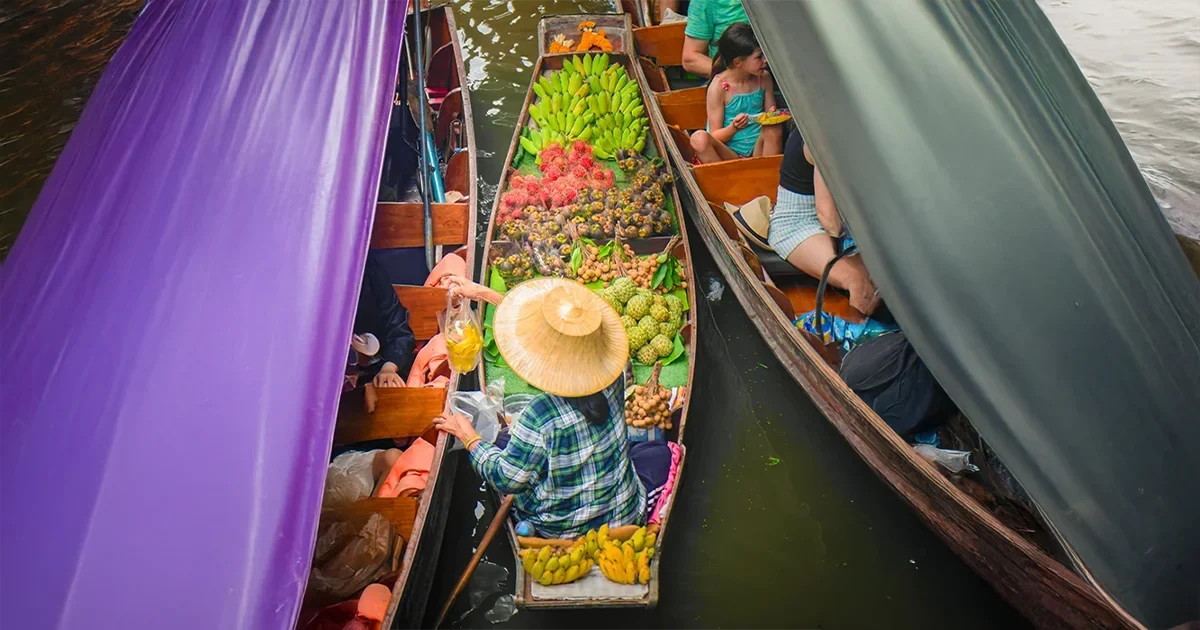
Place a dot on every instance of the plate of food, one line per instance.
(775, 117)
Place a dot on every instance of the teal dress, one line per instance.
(743, 141)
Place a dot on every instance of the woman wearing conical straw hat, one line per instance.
(567, 460)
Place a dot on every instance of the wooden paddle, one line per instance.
(497, 521)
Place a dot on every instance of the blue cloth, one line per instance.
(849, 334)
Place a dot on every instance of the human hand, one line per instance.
(455, 424)
(388, 376)
(459, 285)
(740, 121)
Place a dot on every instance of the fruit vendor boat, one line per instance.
(398, 237)
(586, 194)
(1017, 537)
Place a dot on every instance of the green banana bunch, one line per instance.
(589, 99)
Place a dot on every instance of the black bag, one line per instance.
(889, 376)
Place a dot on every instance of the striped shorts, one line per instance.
(793, 220)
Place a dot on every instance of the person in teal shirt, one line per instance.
(707, 21)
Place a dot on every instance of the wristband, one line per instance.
(471, 441)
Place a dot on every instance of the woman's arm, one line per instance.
(827, 212)
(471, 290)
(715, 106)
(516, 467)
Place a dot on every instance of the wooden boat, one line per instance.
(996, 531)
(409, 412)
(578, 594)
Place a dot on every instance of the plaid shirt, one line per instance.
(568, 475)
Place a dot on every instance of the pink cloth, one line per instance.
(431, 368)
(450, 264)
(410, 473)
(665, 496)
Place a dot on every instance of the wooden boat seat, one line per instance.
(664, 42)
(739, 181)
(442, 77)
(400, 411)
(401, 512)
(684, 109)
(403, 224)
(451, 110)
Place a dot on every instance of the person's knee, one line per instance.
(701, 141)
(772, 132)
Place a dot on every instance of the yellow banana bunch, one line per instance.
(557, 565)
(628, 562)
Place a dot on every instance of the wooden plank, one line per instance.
(402, 224)
(663, 43)
(400, 412)
(401, 512)
(739, 181)
(685, 109)
(449, 116)
(440, 76)
(424, 304)
(656, 79)
(458, 173)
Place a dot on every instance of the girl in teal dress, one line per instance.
(740, 87)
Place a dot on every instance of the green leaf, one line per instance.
(662, 258)
(683, 297)
(676, 352)
(576, 258)
(489, 314)
(596, 286)
(604, 251)
(659, 276)
(496, 283)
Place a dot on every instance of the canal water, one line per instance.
(778, 523)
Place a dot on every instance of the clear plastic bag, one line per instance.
(483, 409)
(349, 478)
(954, 461)
(463, 333)
(357, 562)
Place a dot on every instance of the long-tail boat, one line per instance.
(989, 519)
(512, 255)
(399, 237)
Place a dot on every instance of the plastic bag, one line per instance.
(954, 461)
(357, 563)
(483, 409)
(349, 478)
(463, 333)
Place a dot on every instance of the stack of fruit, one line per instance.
(558, 565)
(651, 321)
(589, 100)
(628, 562)
(648, 405)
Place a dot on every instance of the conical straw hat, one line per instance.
(560, 337)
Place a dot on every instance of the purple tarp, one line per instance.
(175, 317)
